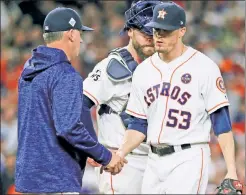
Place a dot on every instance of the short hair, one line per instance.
(50, 37)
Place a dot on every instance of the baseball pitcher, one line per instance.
(178, 94)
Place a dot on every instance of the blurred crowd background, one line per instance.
(216, 28)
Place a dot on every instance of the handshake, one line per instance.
(115, 165)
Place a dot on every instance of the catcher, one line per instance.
(108, 88)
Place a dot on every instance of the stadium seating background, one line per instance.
(216, 28)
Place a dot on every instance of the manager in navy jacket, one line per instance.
(53, 144)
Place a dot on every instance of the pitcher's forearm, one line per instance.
(226, 142)
(132, 139)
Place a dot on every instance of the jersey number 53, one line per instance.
(173, 121)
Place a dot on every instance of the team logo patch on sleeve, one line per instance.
(186, 78)
(220, 84)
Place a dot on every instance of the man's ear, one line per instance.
(182, 32)
(130, 32)
(70, 35)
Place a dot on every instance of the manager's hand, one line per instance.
(115, 165)
(93, 162)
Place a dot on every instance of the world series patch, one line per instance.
(186, 78)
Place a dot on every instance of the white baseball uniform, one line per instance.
(102, 90)
(176, 98)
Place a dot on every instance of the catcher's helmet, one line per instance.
(139, 14)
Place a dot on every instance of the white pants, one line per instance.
(183, 172)
(128, 181)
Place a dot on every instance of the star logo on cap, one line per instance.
(162, 14)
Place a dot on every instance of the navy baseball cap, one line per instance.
(168, 16)
(63, 19)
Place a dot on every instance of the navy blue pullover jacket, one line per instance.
(53, 144)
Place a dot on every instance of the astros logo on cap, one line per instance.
(162, 14)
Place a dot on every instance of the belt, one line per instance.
(133, 153)
(105, 109)
(165, 150)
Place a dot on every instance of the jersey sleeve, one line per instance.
(136, 105)
(213, 90)
(97, 86)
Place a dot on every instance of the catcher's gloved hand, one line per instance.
(230, 186)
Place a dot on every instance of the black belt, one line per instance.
(105, 109)
(164, 150)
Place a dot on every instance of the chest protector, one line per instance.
(121, 65)
(120, 68)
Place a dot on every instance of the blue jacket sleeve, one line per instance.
(86, 116)
(221, 121)
(67, 103)
(138, 124)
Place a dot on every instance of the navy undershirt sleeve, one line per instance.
(221, 122)
(138, 124)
